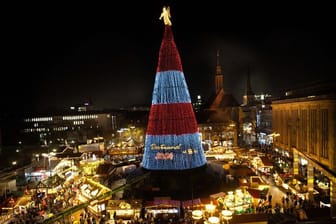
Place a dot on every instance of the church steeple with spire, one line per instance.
(249, 94)
(219, 76)
(222, 98)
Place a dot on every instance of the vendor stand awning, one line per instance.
(163, 203)
(124, 204)
(256, 193)
(191, 203)
(217, 195)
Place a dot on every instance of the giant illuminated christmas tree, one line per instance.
(172, 138)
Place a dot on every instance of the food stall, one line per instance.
(124, 209)
(163, 208)
(94, 192)
(238, 201)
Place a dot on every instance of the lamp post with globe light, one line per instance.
(213, 220)
(210, 208)
(227, 215)
(197, 215)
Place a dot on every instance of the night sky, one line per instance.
(61, 55)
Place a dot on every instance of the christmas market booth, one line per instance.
(238, 201)
(93, 192)
(123, 209)
(163, 208)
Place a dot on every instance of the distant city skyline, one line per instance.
(59, 60)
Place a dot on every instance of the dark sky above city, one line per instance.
(61, 55)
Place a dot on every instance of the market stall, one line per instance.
(124, 209)
(238, 201)
(93, 192)
(164, 208)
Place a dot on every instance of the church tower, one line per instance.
(219, 76)
(249, 94)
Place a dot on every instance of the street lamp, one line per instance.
(197, 214)
(227, 215)
(213, 220)
(37, 157)
(210, 208)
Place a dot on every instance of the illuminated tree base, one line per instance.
(171, 152)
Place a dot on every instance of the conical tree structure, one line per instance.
(172, 138)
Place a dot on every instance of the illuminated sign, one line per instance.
(164, 147)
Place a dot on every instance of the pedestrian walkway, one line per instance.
(281, 218)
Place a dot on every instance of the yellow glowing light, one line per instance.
(213, 220)
(197, 214)
(227, 215)
(210, 208)
(166, 16)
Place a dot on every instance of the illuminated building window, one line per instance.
(325, 133)
(313, 132)
(78, 122)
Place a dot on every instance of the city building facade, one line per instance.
(68, 128)
(304, 123)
